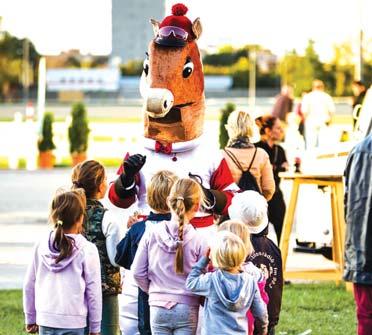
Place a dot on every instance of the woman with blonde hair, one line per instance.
(164, 258)
(241, 155)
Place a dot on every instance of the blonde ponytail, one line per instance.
(184, 196)
(180, 212)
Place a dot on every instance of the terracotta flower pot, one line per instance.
(46, 159)
(78, 157)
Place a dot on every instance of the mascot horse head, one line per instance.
(172, 82)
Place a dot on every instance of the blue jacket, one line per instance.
(125, 253)
(358, 214)
(127, 248)
(228, 299)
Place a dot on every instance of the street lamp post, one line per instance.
(25, 69)
(358, 75)
(252, 79)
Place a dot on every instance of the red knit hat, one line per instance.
(177, 19)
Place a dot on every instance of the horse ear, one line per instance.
(197, 28)
(155, 26)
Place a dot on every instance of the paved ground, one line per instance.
(24, 203)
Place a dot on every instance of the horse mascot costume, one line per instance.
(172, 86)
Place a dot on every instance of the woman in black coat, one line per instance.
(271, 132)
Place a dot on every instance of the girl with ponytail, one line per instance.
(63, 282)
(164, 259)
(102, 229)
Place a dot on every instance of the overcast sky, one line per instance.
(280, 25)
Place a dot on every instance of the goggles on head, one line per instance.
(176, 31)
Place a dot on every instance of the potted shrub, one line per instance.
(45, 143)
(224, 115)
(78, 133)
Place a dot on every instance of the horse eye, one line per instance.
(187, 69)
(146, 66)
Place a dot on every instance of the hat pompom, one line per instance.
(179, 9)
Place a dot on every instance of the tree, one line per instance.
(313, 58)
(11, 59)
(45, 142)
(224, 115)
(78, 131)
(297, 71)
(132, 68)
(341, 69)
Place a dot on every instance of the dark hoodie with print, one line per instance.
(268, 259)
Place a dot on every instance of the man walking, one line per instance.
(318, 108)
(283, 104)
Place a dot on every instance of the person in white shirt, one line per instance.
(318, 109)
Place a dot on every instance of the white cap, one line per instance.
(251, 208)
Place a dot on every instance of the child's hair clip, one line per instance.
(59, 222)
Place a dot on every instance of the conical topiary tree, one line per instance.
(45, 142)
(78, 133)
(224, 115)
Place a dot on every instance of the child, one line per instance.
(101, 229)
(251, 208)
(164, 258)
(157, 192)
(62, 287)
(229, 291)
(240, 229)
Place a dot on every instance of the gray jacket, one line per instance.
(229, 297)
(358, 214)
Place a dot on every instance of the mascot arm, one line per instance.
(120, 196)
(222, 187)
(123, 191)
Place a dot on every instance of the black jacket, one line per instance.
(268, 259)
(358, 214)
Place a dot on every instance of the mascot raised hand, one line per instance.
(172, 86)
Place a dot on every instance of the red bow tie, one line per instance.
(166, 149)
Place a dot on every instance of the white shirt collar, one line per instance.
(149, 143)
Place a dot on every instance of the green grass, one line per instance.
(323, 308)
(11, 314)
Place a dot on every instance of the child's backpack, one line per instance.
(247, 181)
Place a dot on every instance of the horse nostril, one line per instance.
(165, 104)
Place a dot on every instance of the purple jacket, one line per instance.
(154, 264)
(62, 295)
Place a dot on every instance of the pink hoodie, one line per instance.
(153, 267)
(62, 295)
